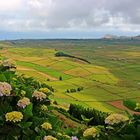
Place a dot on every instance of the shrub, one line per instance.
(25, 111)
(98, 116)
(130, 104)
(74, 90)
(62, 54)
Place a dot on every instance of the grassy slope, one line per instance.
(111, 76)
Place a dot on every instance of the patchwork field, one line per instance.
(112, 75)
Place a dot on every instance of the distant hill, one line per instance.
(112, 37)
(137, 37)
(109, 36)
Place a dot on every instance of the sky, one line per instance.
(21, 19)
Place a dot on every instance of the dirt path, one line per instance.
(119, 104)
(22, 68)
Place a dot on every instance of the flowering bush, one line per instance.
(46, 126)
(116, 118)
(5, 89)
(23, 102)
(7, 64)
(25, 110)
(39, 95)
(14, 116)
(90, 132)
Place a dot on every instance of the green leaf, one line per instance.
(28, 110)
(4, 106)
(2, 78)
(138, 131)
(26, 138)
(25, 125)
(38, 138)
(42, 133)
(8, 75)
(128, 137)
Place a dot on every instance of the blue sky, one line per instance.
(68, 18)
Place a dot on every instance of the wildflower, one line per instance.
(115, 118)
(23, 102)
(90, 132)
(5, 89)
(45, 90)
(74, 138)
(44, 108)
(46, 126)
(49, 138)
(39, 95)
(14, 116)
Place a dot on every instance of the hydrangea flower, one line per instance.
(49, 138)
(46, 126)
(44, 108)
(90, 132)
(14, 116)
(45, 90)
(8, 64)
(5, 89)
(74, 138)
(22, 103)
(115, 118)
(39, 95)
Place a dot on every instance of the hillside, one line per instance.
(113, 74)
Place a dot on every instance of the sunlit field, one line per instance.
(112, 75)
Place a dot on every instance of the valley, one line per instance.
(113, 73)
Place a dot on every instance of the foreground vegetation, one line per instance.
(27, 113)
(112, 75)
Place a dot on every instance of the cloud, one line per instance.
(9, 5)
(47, 15)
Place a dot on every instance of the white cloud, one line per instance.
(8, 5)
(66, 15)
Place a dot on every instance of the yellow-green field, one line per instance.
(100, 84)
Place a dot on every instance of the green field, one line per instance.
(114, 72)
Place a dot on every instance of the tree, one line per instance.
(68, 91)
(60, 78)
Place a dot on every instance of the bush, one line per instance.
(62, 54)
(72, 90)
(98, 116)
(25, 111)
(130, 104)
